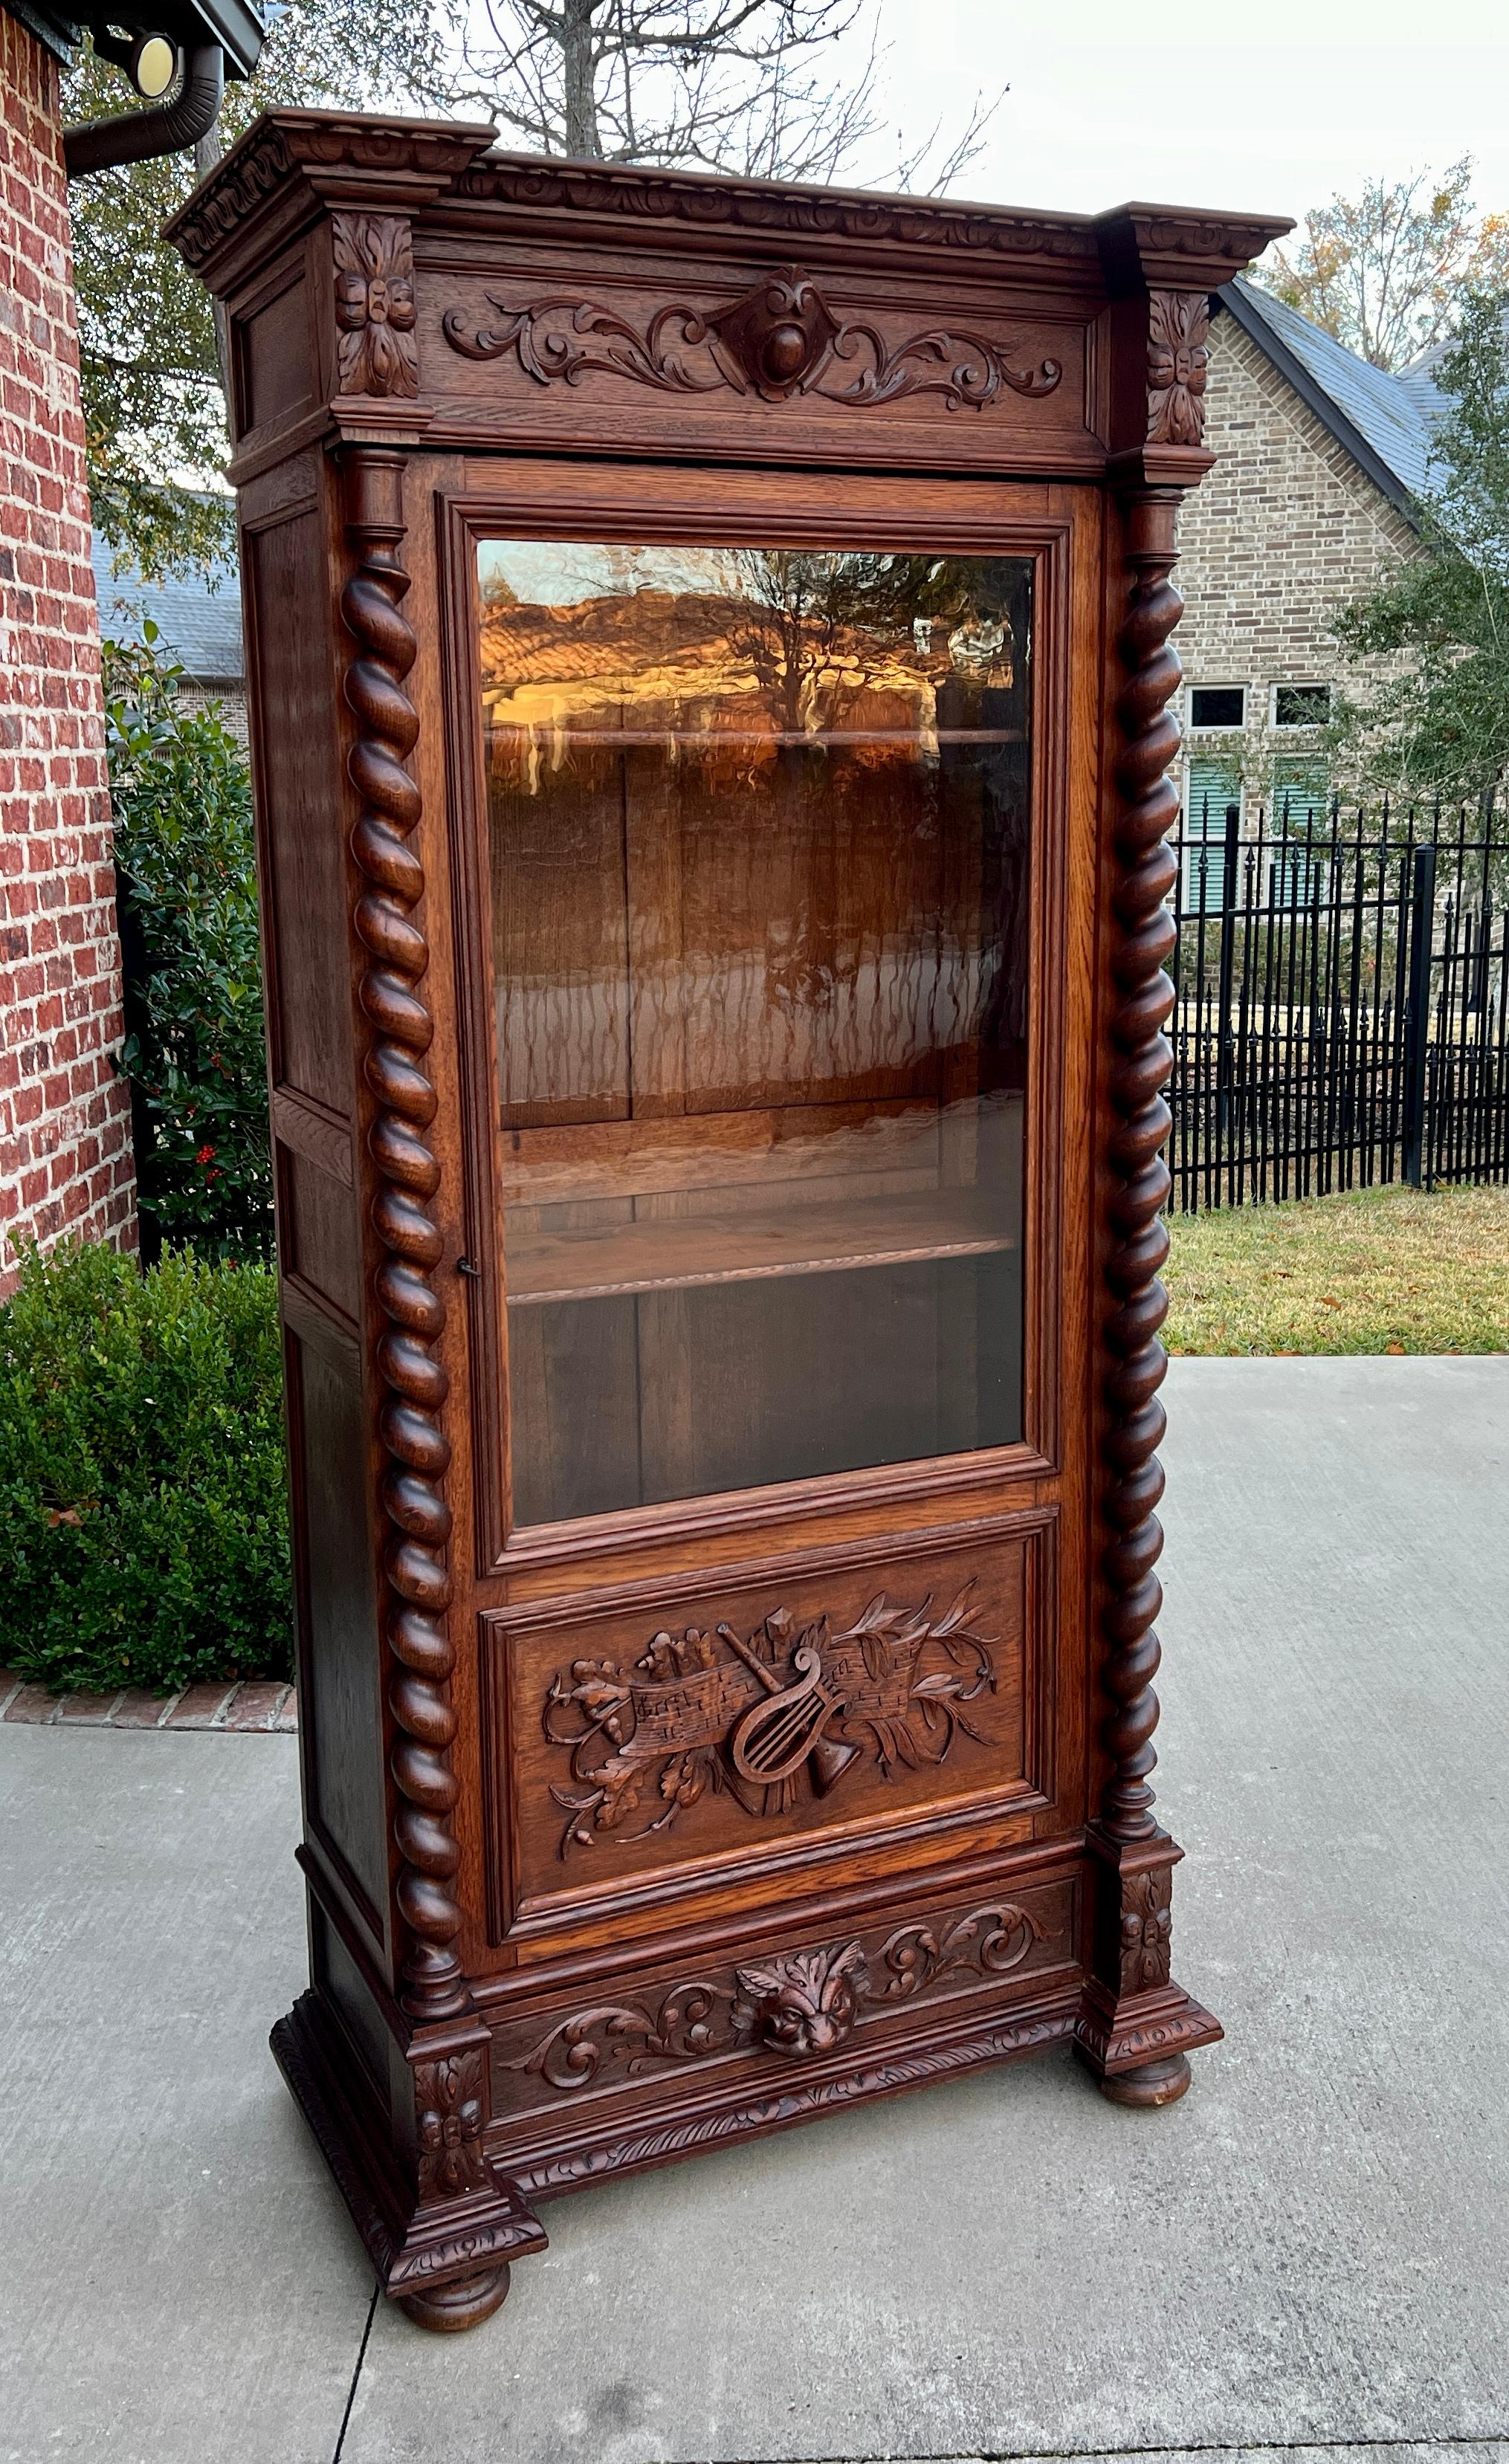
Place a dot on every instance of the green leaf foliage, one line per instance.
(1440, 724)
(144, 1531)
(193, 1052)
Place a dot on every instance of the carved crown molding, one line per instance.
(631, 193)
(780, 339)
(343, 155)
(237, 190)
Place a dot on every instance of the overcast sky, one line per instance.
(1268, 107)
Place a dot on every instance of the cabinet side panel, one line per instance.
(339, 1677)
(288, 603)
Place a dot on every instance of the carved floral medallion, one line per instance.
(1146, 1928)
(374, 304)
(800, 2003)
(450, 2095)
(1178, 322)
(778, 340)
(771, 1717)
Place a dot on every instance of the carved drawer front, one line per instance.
(765, 2016)
(653, 1743)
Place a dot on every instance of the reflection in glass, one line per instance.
(759, 824)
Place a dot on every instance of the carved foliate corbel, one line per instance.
(1178, 324)
(376, 352)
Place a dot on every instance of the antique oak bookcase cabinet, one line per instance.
(710, 681)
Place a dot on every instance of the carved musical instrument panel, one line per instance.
(725, 1720)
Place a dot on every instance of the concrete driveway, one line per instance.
(1312, 2251)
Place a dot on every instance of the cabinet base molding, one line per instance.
(634, 2151)
(446, 2260)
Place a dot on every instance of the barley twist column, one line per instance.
(411, 1313)
(1144, 940)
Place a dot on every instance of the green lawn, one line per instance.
(1377, 1270)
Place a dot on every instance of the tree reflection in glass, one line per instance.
(759, 823)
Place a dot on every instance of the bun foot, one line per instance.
(452, 2307)
(1150, 2085)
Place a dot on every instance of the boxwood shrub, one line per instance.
(144, 1534)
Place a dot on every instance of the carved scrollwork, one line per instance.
(688, 2024)
(765, 1718)
(778, 340)
(374, 304)
(800, 2002)
(1178, 324)
(991, 1939)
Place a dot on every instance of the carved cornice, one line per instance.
(778, 340)
(341, 156)
(1162, 247)
(236, 190)
(633, 195)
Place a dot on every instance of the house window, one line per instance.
(1217, 706)
(1301, 705)
(1212, 784)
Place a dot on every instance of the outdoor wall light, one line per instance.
(149, 60)
(154, 65)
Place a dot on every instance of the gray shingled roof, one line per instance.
(201, 624)
(1387, 421)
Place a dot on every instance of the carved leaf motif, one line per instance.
(374, 304)
(450, 2093)
(1178, 322)
(1146, 1928)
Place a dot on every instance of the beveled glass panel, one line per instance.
(759, 825)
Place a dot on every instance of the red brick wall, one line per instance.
(65, 1145)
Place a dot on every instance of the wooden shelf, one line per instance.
(664, 1254)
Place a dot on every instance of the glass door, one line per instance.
(759, 835)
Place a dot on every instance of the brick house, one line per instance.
(65, 1146)
(1321, 458)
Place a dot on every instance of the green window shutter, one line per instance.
(1214, 782)
(1301, 809)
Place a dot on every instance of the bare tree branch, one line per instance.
(751, 86)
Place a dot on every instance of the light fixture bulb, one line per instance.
(154, 65)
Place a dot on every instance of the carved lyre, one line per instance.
(774, 1739)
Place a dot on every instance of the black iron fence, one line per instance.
(1342, 1001)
